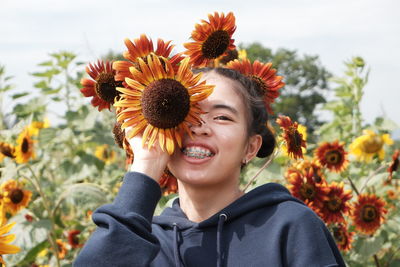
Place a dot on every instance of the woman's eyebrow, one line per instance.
(223, 106)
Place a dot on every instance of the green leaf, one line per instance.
(370, 246)
(19, 95)
(83, 195)
(47, 135)
(49, 73)
(32, 254)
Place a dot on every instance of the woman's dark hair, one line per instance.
(254, 101)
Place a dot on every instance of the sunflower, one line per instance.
(5, 247)
(368, 145)
(332, 156)
(336, 204)
(263, 75)
(161, 102)
(229, 56)
(62, 248)
(73, 239)
(102, 85)
(168, 183)
(35, 126)
(368, 213)
(141, 48)
(303, 187)
(105, 153)
(14, 196)
(295, 141)
(394, 165)
(343, 237)
(24, 149)
(212, 39)
(6, 150)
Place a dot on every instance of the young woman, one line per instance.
(212, 223)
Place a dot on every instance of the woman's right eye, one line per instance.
(224, 118)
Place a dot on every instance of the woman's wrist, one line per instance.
(148, 168)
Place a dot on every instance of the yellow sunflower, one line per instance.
(35, 126)
(161, 102)
(5, 247)
(105, 153)
(6, 150)
(212, 39)
(24, 149)
(368, 145)
(294, 135)
(15, 197)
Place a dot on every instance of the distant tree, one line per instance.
(305, 78)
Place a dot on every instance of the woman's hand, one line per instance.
(151, 162)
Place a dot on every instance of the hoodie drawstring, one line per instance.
(222, 219)
(176, 249)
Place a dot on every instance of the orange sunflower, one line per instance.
(336, 204)
(394, 165)
(6, 150)
(62, 249)
(102, 86)
(212, 39)
(73, 239)
(332, 156)
(343, 237)
(24, 149)
(161, 102)
(294, 140)
(307, 165)
(141, 48)
(168, 183)
(303, 187)
(368, 213)
(15, 197)
(263, 75)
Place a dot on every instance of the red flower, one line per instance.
(336, 204)
(332, 156)
(263, 75)
(102, 86)
(168, 183)
(368, 214)
(73, 239)
(394, 165)
(343, 237)
(293, 138)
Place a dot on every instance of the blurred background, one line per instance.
(330, 31)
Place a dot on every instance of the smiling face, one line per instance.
(220, 143)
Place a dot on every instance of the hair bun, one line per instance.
(268, 144)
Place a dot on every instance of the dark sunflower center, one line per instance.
(25, 145)
(339, 236)
(261, 87)
(106, 154)
(16, 196)
(368, 213)
(333, 157)
(216, 44)
(232, 55)
(334, 203)
(372, 145)
(165, 103)
(316, 176)
(106, 87)
(307, 191)
(7, 151)
(118, 135)
(295, 139)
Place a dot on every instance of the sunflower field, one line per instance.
(54, 174)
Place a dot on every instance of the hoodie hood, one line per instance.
(260, 197)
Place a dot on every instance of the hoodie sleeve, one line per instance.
(123, 235)
(309, 243)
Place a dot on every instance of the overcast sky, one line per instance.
(334, 30)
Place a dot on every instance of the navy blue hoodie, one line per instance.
(265, 227)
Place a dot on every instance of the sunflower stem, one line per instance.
(372, 175)
(261, 169)
(52, 235)
(67, 93)
(353, 185)
(376, 261)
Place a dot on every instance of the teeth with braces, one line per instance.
(197, 152)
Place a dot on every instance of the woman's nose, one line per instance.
(201, 129)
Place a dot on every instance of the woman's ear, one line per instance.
(253, 146)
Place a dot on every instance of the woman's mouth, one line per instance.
(197, 152)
